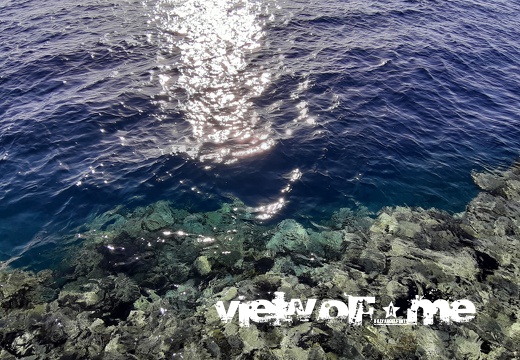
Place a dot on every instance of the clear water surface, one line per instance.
(295, 107)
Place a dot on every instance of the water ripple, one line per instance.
(294, 107)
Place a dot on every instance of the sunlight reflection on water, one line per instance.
(211, 45)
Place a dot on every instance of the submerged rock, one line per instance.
(202, 265)
(289, 237)
(144, 284)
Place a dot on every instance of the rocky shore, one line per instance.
(143, 284)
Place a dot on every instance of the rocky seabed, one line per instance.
(143, 283)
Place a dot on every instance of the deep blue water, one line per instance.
(295, 107)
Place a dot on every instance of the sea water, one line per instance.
(297, 108)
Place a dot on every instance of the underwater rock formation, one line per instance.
(143, 284)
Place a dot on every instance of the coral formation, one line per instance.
(143, 284)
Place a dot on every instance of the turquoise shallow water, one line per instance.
(296, 108)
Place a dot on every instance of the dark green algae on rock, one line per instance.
(143, 284)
